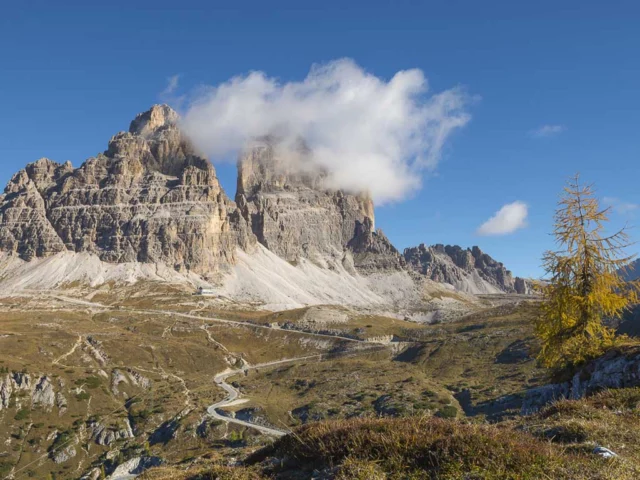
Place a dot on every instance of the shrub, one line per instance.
(447, 412)
(22, 414)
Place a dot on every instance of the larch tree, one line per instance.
(585, 286)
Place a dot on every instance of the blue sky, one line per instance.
(73, 74)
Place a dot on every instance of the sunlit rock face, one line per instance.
(148, 198)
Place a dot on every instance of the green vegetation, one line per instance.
(447, 412)
(89, 382)
(5, 467)
(22, 414)
(585, 285)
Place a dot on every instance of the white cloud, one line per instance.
(547, 131)
(172, 85)
(511, 217)
(370, 134)
(620, 206)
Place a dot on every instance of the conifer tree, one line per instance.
(585, 286)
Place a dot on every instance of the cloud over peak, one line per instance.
(368, 133)
(511, 217)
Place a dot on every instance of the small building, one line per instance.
(206, 291)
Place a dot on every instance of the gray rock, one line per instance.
(64, 454)
(469, 270)
(21, 381)
(138, 379)
(104, 435)
(604, 452)
(613, 370)
(43, 393)
(6, 388)
(295, 214)
(61, 403)
(134, 467)
(117, 377)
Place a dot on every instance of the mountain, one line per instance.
(469, 270)
(151, 207)
(632, 271)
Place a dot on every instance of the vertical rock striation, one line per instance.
(148, 198)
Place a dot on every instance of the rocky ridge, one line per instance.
(469, 270)
(152, 199)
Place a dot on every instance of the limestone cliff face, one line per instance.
(149, 198)
(294, 215)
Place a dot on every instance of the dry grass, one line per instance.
(415, 448)
(610, 419)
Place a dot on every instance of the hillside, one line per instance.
(556, 443)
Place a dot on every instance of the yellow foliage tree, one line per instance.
(585, 286)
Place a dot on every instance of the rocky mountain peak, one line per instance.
(148, 198)
(282, 195)
(154, 119)
(267, 167)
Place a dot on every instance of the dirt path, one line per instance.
(233, 395)
(70, 352)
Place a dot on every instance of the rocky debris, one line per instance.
(104, 435)
(615, 369)
(21, 380)
(93, 474)
(61, 403)
(310, 413)
(254, 415)
(117, 377)
(319, 317)
(95, 347)
(43, 393)
(138, 379)
(469, 270)
(134, 467)
(6, 388)
(64, 454)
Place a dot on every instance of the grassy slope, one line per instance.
(554, 444)
(173, 352)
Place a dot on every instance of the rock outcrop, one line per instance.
(469, 270)
(43, 394)
(616, 369)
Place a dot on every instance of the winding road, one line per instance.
(233, 395)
